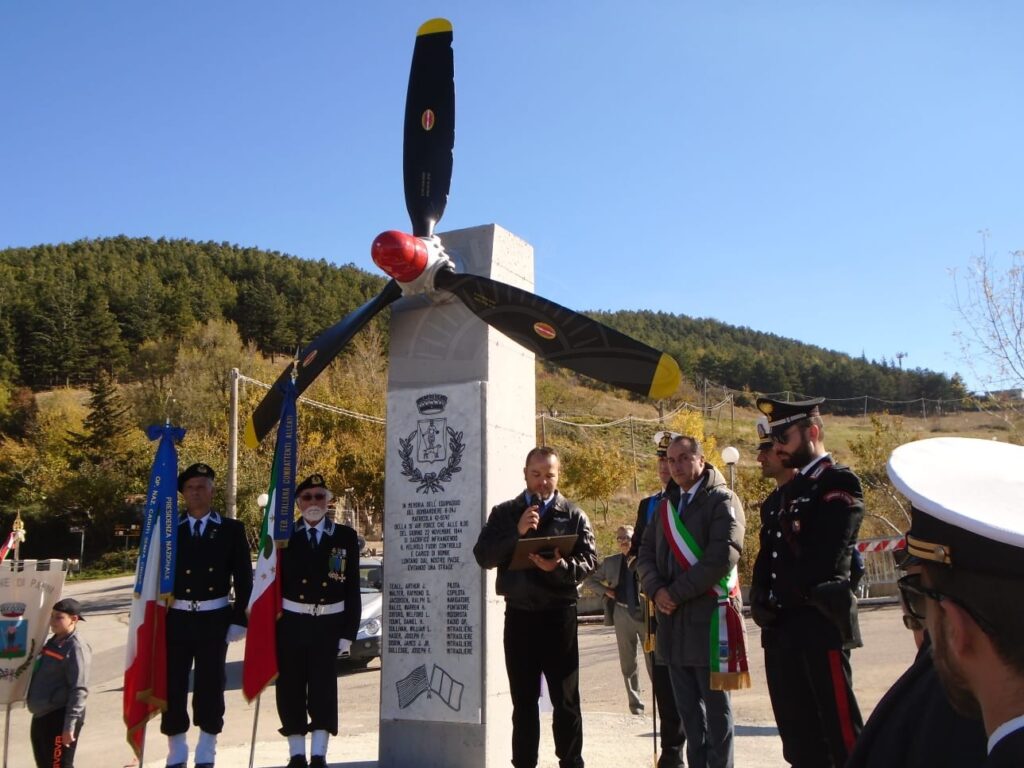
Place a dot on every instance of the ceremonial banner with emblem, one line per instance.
(28, 590)
(145, 673)
(259, 668)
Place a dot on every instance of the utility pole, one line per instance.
(231, 502)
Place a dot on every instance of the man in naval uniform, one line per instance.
(801, 594)
(320, 617)
(673, 737)
(967, 534)
(211, 558)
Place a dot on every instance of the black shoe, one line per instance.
(176, 765)
(204, 765)
(317, 761)
(298, 761)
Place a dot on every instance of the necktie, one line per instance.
(312, 537)
(197, 529)
(684, 499)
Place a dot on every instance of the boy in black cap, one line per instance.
(212, 556)
(321, 611)
(967, 534)
(60, 684)
(801, 594)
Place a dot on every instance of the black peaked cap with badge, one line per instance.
(315, 480)
(781, 413)
(662, 440)
(764, 434)
(196, 470)
(967, 503)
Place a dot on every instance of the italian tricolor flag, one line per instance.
(259, 668)
(145, 673)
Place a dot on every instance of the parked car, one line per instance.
(371, 628)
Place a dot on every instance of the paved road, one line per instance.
(612, 737)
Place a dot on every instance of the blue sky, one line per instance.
(810, 169)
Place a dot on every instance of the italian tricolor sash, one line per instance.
(728, 662)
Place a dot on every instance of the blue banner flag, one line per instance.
(160, 524)
(286, 459)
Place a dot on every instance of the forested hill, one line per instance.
(71, 310)
(68, 311)
(742, 358)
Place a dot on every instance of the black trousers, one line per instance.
(673, 737)
(200, 639)
(536, 643)
(45, 734)
(815, 709)
(307, 683)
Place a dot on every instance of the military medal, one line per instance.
(336, 564)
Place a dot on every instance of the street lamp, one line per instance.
(730, 456)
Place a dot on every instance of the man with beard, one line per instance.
(914, 724)
(211, 560)
(687, 562)
(673, 737)
(540, 608)
(967, 533)
(321, 610)
(802, 592)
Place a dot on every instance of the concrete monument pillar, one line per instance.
(461, 418)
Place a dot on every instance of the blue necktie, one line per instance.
(312, 538)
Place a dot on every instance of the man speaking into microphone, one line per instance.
(540, 607)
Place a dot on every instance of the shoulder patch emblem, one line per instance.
(842, 496)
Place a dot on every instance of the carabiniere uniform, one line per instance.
(321, 602)
(197, 624)
(801, 598)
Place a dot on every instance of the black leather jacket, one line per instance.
(533, 589)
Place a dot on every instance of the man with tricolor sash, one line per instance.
(801, 593)
(687, 563)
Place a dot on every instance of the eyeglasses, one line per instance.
(311, 496)
(913, 597)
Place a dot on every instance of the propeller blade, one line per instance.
(313, 359)
(429, 126)
(564, 337)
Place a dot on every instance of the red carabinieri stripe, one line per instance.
(842, 698)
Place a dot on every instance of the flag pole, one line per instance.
(255, 720)
(7, 732)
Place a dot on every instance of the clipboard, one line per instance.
(534, 545)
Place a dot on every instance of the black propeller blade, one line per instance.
(564, 337)
(429, 126)
(313, 359)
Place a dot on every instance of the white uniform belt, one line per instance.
(313, 609)
(200, 605)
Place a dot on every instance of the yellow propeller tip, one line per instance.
(667, 378)
(249, 438)
(434, 26)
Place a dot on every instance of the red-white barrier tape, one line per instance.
(882, 545)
